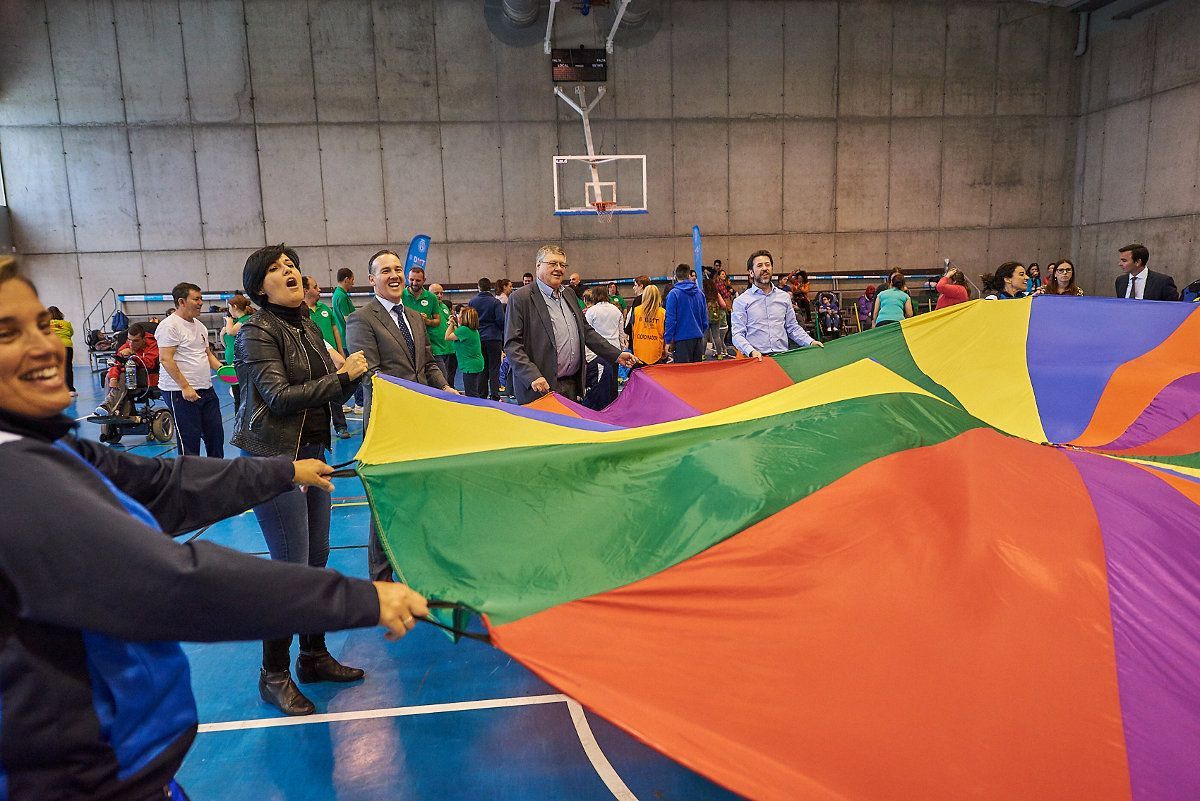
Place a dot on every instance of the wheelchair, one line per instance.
(138, 413)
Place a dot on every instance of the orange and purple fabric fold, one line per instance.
(958, 557)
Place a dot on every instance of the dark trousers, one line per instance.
(236, 391)
(449, 364)
(491, 366)
(688, 350)
(601, 384)
(475, 384)
(568, 387)
(296, 528)
(378, 566)
(338, 416)
(196, 420)
(70, 367)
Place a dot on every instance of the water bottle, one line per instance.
(131, 374)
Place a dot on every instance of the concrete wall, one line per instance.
(1139, 145)
(148, 141)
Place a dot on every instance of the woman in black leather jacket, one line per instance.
(288, 382)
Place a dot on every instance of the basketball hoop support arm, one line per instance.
(550, 26)
(584, 109)
(612, 34)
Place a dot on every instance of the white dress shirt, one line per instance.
(391, 310)
(1136, 287)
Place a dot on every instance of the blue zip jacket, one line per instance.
(95, 694)
(687, 313)
(491, 316)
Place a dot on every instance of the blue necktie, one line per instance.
(408, 338)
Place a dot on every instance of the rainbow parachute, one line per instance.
(954, 558)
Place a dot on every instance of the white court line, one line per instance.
(394, 712)
(600, 763)
(587, 739)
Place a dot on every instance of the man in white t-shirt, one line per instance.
(186, 376)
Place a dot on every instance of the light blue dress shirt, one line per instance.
(763, 321)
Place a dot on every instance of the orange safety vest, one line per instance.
(648, 344)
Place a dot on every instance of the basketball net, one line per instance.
(605, 210)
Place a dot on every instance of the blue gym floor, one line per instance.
(432, 721)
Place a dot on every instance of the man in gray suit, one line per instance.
(545, 334)
(394, 340)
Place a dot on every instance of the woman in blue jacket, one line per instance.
(95, 698)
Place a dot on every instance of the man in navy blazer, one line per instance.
(1138, 281)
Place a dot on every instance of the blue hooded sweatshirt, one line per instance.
(687, 313)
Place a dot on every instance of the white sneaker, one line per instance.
(358, 410)
(348, 409)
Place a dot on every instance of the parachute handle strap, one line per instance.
(460, 610)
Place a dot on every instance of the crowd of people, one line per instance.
(300, 367)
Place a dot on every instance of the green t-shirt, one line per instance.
(618, 301)
(437, 334)
(343, 307)
(426, 304)
(230, 340)
(469, 350)
(322, 315)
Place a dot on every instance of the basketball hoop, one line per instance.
(605, 210)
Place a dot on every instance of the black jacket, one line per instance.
(1159, 286)
(278, 387)
(95, 701)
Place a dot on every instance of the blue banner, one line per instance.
(418, 252)
(697, 254)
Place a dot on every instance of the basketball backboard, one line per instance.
(600, 184)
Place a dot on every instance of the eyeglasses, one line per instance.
(562, 264)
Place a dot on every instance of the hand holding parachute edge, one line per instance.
(399, 608)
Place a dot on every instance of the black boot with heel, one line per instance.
(315, 663)
(275, 685)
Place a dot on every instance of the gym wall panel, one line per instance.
(35, 181)
(715, 247)
(290, 165)
(355, 257)
(26, 66)
(865, 252)
(1021, 62)
(1176, 56)
(164, 269)
(472, 181)
(343, 45)
(57, 279)
(1017, 171)
(811, 251)
(223, 268)
(151, 55)
(810, 59)
(699, 59)
(466, 65)
(756, 175)
(639, 79)
(352, 176)
(739, 249)
(913, 250)
(971, 45)
(1173, 168)
(1058, 169)
(404, 59)
(862, 176)
(642, 256)
(1129, 77)
(523, 87)
(701, 166)
(1053, 244)
(101, 188)
(809, 161)
(968, 249)
(918, 60)
(1063, 68)
(755, 58)
(914, 185)
(526, 150)
(164, 181)
(98, 272)
(84, 47)
(1169, 240)
(1005, 244)
(651, 138)
(315, 262)
(1090, 180)
(1124, 161)
(218, 73)
(470, 261)
(230, 188)
(281, 64)
(865, 60)
(412, 175)
(588, 257)
(966, 173)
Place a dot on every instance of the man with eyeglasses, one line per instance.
(546, 333)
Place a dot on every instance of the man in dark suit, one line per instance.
(546, 333)
(1140, 283)
(395, 342)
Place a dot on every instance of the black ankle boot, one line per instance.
(278, 690)
(321, 666)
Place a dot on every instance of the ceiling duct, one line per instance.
(521, 13)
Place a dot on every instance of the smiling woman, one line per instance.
(96, 598)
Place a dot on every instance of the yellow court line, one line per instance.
(447, 428)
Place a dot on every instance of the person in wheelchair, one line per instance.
(142, 348)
